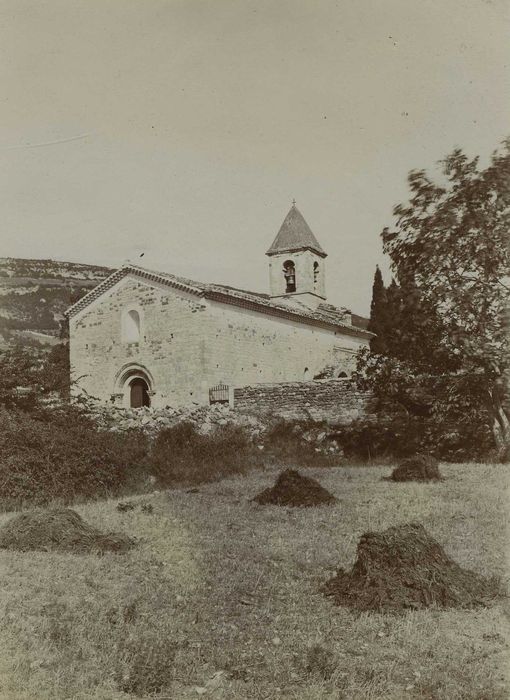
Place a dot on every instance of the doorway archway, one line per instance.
(134, 386)
(139, 393)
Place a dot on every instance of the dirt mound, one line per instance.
(417, 468)
(404, 567)
(292, 489)
(59, 529)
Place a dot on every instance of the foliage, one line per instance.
(20, 377)
(29, 375)
(182, 454)
(55, 375)
(60, 454)
(443, 414)
(449, 252)
(453, 241)
(295, 443)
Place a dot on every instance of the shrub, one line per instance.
(299, 443)
(396, 434)
(446, 413)
(60, 454)
(20, 378)
(182, 454)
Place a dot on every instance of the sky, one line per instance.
(183, 129)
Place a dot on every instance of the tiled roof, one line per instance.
(295, 234)
(324, 315)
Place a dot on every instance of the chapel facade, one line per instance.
(143, 337)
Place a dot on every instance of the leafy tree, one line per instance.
(449, 250)
(394, 313)
(426, 410)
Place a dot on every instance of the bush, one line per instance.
(445, 414)
(298, 443)
(182, 454)
(60, 454)
(395, 434)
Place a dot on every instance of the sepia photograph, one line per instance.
(254, 349)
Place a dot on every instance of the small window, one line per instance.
(315, 274)
(306, 374)
(131, 327)
(289, 272)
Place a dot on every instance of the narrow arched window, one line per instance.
(131, 326)
(289, 272)
(315, 274)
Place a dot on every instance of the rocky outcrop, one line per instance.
(34, 295)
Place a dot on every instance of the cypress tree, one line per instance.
(378, 315)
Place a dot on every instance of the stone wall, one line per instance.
(171, 349)
(335, 400)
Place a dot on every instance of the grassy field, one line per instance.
(221, 599)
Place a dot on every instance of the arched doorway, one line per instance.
(139, 393)
(134, 385)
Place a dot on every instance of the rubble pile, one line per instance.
(206, 418)
(151, 420)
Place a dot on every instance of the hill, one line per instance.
(35, 293)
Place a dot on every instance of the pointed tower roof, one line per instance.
(295, 234)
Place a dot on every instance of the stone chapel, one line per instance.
(143, 337)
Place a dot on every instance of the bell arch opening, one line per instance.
(289, 274)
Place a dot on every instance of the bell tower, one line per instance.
(297, 262)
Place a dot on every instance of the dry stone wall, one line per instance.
(334, 400)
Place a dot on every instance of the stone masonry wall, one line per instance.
(245, 347)
(188, 345)
(171, 348)
(335, 400)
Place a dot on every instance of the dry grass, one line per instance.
(223, 595)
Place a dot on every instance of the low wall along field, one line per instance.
(336, 400)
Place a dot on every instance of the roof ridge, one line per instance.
(231, 294)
